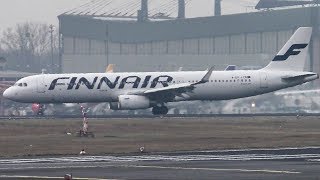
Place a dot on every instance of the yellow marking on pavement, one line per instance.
(49, 177)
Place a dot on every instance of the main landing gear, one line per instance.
(160, 110)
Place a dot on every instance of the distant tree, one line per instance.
(28, 46)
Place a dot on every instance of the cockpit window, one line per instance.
(21, 84)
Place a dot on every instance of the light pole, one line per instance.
(51, 27)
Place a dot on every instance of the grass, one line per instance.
(20, 138)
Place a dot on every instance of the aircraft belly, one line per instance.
(75, 96)
(227, 92)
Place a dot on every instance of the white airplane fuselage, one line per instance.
(106, 87)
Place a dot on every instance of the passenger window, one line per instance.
(20, 84)
(25, 84)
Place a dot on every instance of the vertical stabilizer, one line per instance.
(293, 55)
(109, 68)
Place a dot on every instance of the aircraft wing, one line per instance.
(168, 88)
(169, 92)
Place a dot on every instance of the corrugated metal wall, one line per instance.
(244, 40)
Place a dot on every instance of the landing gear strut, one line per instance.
(162, 110)
(38, 109)
(84, 131)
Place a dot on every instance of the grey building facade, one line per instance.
(89, 43)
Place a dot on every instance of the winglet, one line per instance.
(206, 77)
(231, 68)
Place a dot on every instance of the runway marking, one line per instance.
(314, 160)
(261, 149)
(240, 157)
(49, 177)
(215, 169)
(157, 167)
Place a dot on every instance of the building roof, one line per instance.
(14, 74)
(125, 8)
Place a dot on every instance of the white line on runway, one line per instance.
(217, 169)
(314, 160)
(164, 167)
(241, 157)
(248, 150)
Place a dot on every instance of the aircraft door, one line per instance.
(263, 80)
(41, 84)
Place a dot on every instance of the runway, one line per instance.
(286, 163)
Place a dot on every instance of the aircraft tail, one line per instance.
(109, 68)
(293, 55)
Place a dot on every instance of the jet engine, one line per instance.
(130, 102)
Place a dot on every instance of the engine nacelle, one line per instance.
(131, 102)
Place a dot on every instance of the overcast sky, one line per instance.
(46, 11)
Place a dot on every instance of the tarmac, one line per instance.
(283, 163)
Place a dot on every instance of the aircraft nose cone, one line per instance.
(8, 94)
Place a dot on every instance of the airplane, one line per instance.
(109, 68)
(231, 68)
(143, 90)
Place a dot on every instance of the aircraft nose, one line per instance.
(8, 93)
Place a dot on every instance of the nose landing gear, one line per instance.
(160, 110)
(38, 109)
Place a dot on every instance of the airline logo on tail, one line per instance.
(291, 52)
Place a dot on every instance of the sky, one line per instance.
(13, 12)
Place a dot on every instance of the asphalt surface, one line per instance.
(153, 116)
(288, 163)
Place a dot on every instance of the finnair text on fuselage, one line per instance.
(98, 82)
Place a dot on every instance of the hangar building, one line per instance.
(89, 42)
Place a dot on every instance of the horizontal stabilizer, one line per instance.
(299, 77)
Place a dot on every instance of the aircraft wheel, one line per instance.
(164, 110)
(159, 110)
